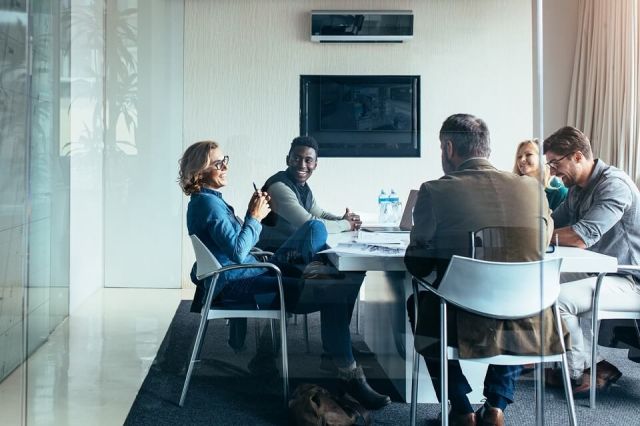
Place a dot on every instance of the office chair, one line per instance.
(209, 269)
(597, 315)
(502, 290)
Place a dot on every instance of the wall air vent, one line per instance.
(361, 26)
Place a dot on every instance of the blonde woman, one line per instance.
(528, 163)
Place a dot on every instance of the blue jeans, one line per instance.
(499, 380)
(302, 246)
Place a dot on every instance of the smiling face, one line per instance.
(566, 167)
(218, 168)
(301, 162)
(527, 160)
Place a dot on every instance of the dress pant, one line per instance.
(619, 293)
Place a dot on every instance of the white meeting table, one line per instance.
(385, 324)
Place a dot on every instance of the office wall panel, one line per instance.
(143, 134)
(85, 149)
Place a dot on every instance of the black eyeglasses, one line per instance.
(218, 165)
(554, 163)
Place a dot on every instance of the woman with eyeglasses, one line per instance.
(203, 174)
(528, 163)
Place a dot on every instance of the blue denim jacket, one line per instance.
(215, 223)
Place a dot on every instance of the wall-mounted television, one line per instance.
(362, 116)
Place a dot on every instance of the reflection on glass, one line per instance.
(34, 215)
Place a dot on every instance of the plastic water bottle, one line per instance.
(395, 207)
(383, 207)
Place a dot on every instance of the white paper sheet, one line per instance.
(388, 250)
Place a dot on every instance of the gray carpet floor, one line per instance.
(223, 392)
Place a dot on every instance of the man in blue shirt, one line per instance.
(602, 214)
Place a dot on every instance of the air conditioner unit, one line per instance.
(360, 26)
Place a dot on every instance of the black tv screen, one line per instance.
(361, 116)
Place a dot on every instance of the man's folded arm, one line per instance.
(285, 203)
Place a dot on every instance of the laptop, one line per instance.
(406, 223)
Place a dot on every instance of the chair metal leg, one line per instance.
(567, 391)
(565, 370)
(416, 362)
(444, 365)
(306, 332)
(539, 392)
(595, 327)
(199, 336)
(204, 333)
(358, 314)
(285, 359)
(272, 324)
(414, 388)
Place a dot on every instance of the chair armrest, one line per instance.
(242, 266)
(261, 254)
(628, 268)
(250, 266)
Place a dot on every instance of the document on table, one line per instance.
(382, 238)
(390, 250)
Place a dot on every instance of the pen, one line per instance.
(255, 187)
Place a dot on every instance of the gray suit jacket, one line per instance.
(475, 196)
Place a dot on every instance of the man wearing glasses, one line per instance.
(602, 214)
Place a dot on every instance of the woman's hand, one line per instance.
(259, 205)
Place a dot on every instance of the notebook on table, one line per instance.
(406, 223)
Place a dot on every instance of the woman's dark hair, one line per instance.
(194, 163)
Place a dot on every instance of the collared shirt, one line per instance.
(215, 223)
(605, 214)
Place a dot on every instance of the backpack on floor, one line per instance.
(312, 405)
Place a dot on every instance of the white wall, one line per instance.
(143, 141)
(242, 66)
(560, 22)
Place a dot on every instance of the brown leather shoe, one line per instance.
(581, 389)
(489, 416)
(468, 419)
(606, 374)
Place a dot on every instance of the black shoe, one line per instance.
(355, 384)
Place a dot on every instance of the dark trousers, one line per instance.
(336, 308)
(500, 379)
(335, 315)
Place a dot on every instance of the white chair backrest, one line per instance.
(206, 263)
(501, 289)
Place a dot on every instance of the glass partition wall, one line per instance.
(34, 194)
